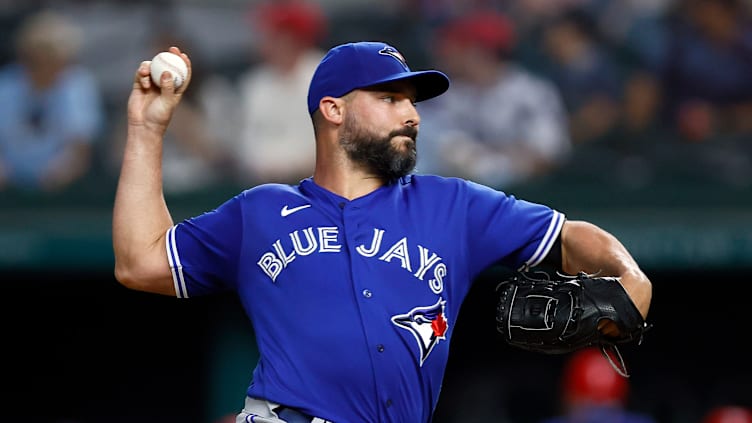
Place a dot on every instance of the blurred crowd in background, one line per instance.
(640, 89)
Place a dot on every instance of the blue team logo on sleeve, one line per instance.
(427, 324)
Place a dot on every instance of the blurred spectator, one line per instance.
(531, 15)
(635, 31)
(639, 144)
(642, 102)
(50, 107)
(498, 124)
(274, 142)
(585, 72)
(196, 155)
(706, 68)
(120, 33)
(636, 28)
(593, 392)
(728, 414)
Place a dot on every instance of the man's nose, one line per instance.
(412, 115)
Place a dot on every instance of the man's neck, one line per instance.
(347, 183)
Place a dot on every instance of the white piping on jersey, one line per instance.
(175, 266)
(554, 227)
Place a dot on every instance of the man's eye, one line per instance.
(388, 99)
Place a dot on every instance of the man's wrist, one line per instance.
(146, 132)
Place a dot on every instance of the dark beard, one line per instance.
(376, 154)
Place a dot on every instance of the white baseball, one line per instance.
(166, 61)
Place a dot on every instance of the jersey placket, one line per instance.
(367, 295)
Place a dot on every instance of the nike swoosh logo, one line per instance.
(286, 212)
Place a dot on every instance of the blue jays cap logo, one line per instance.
(392, 52)
(427, 324)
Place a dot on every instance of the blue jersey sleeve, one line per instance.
(203, 251)
(502, 229)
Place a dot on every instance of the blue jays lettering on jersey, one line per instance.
(354, 302)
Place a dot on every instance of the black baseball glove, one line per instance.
(557, 316)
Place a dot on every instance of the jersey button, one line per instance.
(380, 348)
(367, 293)
(388, 403)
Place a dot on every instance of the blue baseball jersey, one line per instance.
(354, 302)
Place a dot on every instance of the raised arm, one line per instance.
(140, 215)
(588, 248)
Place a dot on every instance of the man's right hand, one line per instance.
(149, 106)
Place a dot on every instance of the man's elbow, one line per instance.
(130, 277)
(124, 275)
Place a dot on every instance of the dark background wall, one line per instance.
(80, 348)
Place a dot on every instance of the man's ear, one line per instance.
(332, 109)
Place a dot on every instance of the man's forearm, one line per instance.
(140, 216)
(587, 248)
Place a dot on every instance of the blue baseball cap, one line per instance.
(350, 66)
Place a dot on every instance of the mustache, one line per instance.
(407, 131)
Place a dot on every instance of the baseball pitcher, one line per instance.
(353, 279)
